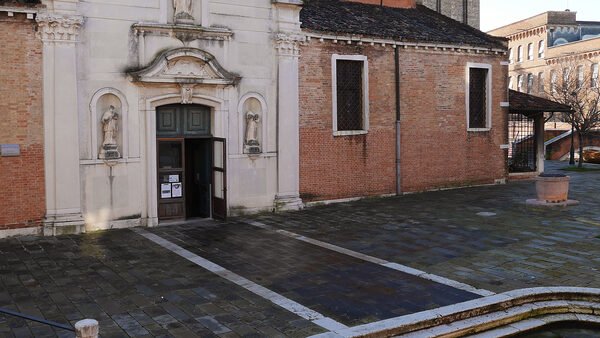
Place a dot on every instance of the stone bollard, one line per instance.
(87, 328)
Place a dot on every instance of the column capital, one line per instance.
(59, 28)
(288, 44)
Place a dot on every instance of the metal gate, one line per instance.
(523, 148)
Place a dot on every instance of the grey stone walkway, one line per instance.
(441, 232)
(137, 288)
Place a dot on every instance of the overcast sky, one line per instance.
(496, 13)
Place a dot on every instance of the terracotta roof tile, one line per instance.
(420, 24)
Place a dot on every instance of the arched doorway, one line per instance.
(190, 164)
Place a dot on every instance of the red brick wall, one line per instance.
(22, 201)
(437, 150)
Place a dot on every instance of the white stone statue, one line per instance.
(110, 128)
(183, 10)
(252, 120)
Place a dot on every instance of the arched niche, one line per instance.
(252, 110)
(101, 102)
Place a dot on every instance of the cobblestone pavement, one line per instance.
(483, 236)
(132, 287)
(441, 232)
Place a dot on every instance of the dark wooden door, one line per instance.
(171, 164)
(219, 184)
(177, 128)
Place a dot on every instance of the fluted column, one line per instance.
(59, 34)
(288, 135)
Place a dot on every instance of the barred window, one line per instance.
(350, 94)
(478, 96)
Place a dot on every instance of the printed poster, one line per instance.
(176, 190)
(165, 190)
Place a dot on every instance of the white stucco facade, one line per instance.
(236, 56)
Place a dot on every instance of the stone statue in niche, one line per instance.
(183, 11)
(109, 149)
(251, 139)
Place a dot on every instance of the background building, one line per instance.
(545, 52)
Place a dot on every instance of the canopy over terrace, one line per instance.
(526, 131)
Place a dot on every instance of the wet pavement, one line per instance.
(483, 236)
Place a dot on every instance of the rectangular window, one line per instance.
(530, 51)
(566, 77)
(553, 80)
(580, 75)
(520, 54)
(529, 83)
(594, 75)
(541, 49)
(541, 80)
(350, 94)
(479, 93)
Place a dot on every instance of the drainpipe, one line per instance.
(398, 163)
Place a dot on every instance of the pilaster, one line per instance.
(59, 34)
(287, 44)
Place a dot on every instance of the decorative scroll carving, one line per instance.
(288, 44)
(187, 94)
(52, 27)
(185, 66)
(188, 67)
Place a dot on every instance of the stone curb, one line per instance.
(506, 313)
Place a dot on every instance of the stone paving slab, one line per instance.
(132, 287)
(346, 289)
(441, 232)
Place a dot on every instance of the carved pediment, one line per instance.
(185, 66)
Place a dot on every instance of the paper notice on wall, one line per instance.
(173, 178)
(176, 190)
(165, 190)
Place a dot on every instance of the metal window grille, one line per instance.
(522, 150)
(477, 97)
(349, 95)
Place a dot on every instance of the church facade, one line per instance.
(135, 113)
(156, 110)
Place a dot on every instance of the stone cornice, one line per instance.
(184, 33)
(58, 28)
(288, 44)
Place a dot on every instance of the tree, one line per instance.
(575, 83)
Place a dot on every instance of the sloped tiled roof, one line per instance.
(420, 24)
(527, 104)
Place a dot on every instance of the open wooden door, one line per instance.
(219, 181)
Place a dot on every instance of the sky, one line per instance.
(497, 13)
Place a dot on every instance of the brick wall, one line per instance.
(437, 150)
(22, 201)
